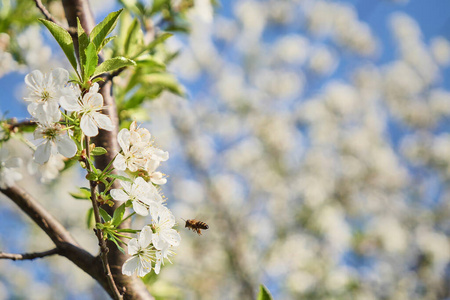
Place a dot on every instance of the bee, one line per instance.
(196, 225)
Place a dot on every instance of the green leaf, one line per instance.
(106, 41)
(113, 64)
(91, 61)
(264, 293)
(115, 242)
(82, 193)
(134, 40)
(98, 151)
(158, 40)
(118, 215)
(92, 176)
(128, 230)
(90, 218)
(83, 42)
(164, 80)
(123, 178)
(104, 214)
(64, 40)
(99, 33)
(151, 62)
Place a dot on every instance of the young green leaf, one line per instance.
(91, 61)
(105, 41)
(90, 218)
(113, 64)
(82, 193)
(128, 230)
(98, 151)
(83, 42)
(111, 238)
(92, 176)
(158, 40)
(104, 214)
(64, 40)
(264, 293)
(164, 80)
(99, 33)
(123, 178)
(134, 39)
(118, 215)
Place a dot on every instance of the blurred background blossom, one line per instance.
(314, 142)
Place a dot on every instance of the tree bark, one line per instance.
(132, 286)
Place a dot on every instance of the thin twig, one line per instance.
(28, 256)
(101, 242)
(45, 12)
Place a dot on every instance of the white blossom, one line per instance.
(88, 107)
(162, 222)
(55, 139)
(143, 254)
(45, 92)
(8, 166)
(141, 193)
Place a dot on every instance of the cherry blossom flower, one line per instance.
(88, 107)
(161, 255)
(162, 223)
(138, 152)
(155, 177)
(46, 91)
(49, 170)
(132, 147)
(8, 174)
(141, 193)
(55, 139)
(143, 254)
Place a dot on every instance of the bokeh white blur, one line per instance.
(314, 142)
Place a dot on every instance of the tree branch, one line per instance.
(29, 256)
(133, 287)
(66, 244)
(45, 12)
(101, 242)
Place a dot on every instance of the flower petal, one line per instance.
(120, 162)
(145, 237)
(66, 146)
(103, 121)
(144, 268)
(88, 126)
(124, 139)
(34, 79)
(93, 100)
(139, 208)
(133, 247)
(119, 195)
(60, 76)
(130, 266)
(160, 155)
(14, 162)
(42, 153)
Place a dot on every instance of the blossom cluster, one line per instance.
(139, 160)
(50, 92)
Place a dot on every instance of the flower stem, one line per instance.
(101, 242)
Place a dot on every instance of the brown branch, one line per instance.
(65, 243)
(133, 287)
(48, 16)
(101, 242)
(29, 256)
(45, 12)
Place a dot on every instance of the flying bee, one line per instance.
(196, 225)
